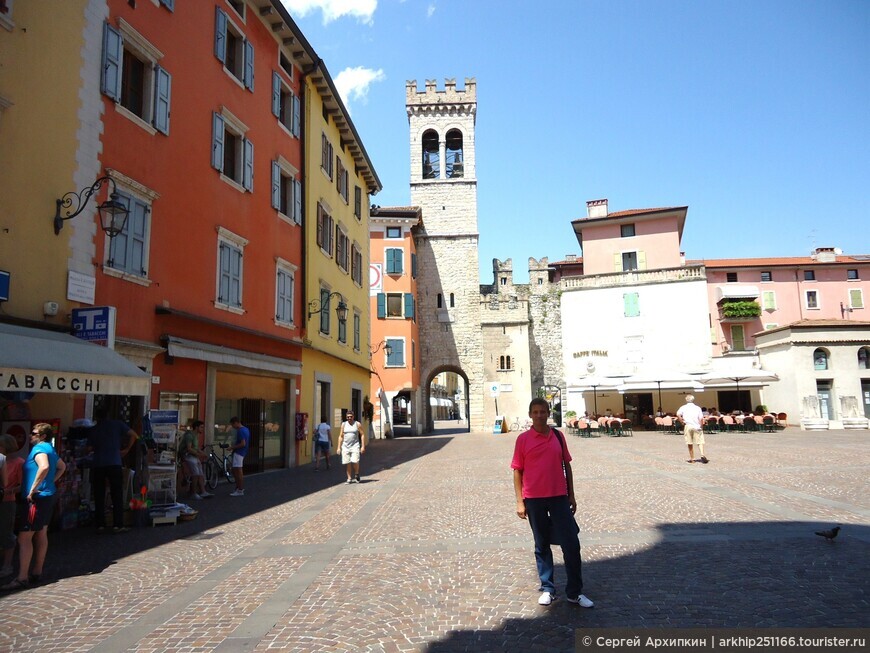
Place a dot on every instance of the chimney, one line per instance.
(825, 255)
(570, 257)
(596, 208)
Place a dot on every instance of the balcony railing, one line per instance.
(634, 277)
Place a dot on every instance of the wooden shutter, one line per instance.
(409, 305)
(220, 35)
(113, 53)
(297, 201)
(382, 304)
(248, 165)
(162, 94)
(276, 186)
(276, 94)
(413, 265)
(249, 65)
(856, 298)
(617, 262)
(217, 142)
(297, 110)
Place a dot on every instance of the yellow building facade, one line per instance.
(338, 181)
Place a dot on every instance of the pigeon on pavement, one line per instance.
(829, 535)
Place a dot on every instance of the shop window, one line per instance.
(186, 403)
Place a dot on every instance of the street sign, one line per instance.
(494, 388)
(376, 279)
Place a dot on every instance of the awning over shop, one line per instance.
(35, 360)
(204, 351)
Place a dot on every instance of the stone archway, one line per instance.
(462, 399)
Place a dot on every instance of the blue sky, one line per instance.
(752, 114)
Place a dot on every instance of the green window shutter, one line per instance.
(382, 305)
(630, 301)
(856, 298)
(413, 265)
(409, 305)
(617, 262)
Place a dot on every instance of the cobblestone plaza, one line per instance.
(427, 554)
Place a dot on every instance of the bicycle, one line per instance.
(518, 426)
(214, 466)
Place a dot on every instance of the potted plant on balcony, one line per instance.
(741, 309)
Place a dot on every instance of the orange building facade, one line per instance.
(395, 332)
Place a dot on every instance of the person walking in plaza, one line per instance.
(240, 450)
(693, 418)
(352, 444)
(321, 444)
(40, 474)
(10, 482)
(192, 458)
(544, 487)
(110, 440)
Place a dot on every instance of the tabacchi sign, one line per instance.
(24, 381)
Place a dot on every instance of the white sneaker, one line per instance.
(582, 601)
(237, 493)
(546, 598)
(207, 495)
(195, 496)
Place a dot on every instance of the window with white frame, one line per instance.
(325, 225)
(394, 232)
(357, 321)
(285, 280)
(812, 298)
(129, 250)
(230, 268)
(394, 260)
(768, 300)
(132, 77)
(232, 154)
(356, 264)
(342, 248)
(396, 357)
(285, 105)
(238, 6)
(326, 155)
(286, 190)
(629, 261)
(856, 298)
(285, 64)
(766, 275)
(394, 304)
(820, 359)
(401, 305)
(233, 50)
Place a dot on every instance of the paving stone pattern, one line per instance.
(426, 554)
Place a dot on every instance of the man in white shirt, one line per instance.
(693, 431)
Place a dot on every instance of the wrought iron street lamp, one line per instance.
(113, 213)
(388, 348)
(317, 306)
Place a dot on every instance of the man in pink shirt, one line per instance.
(545, 496)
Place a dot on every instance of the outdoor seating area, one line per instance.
(594, 428)
(588, 427)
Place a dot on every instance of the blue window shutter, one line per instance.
(631, 304)
(249, 65)
(220, 35)
(138, 233)
(297, 111)
(248, 174)
(169, 4)
(113, 52)
(162, 96)
(382, 304)
(217, 142)
(409, 305)
(276, 94)
(236, 276)
(297, 201)
(224, 284)
(276, 185)
(413, 265)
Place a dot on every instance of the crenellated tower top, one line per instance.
(448, 100)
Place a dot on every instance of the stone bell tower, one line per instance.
(444, 185)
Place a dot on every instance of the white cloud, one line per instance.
(430, 10)
(363, 10)
(353, 83)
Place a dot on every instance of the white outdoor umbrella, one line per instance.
(754, 376)
(661, 379)
(592, 383)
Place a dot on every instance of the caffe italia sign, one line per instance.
(13, 380)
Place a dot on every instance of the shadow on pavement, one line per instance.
(724, 575)
(83, 551)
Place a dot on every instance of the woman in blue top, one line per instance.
(41, 471)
